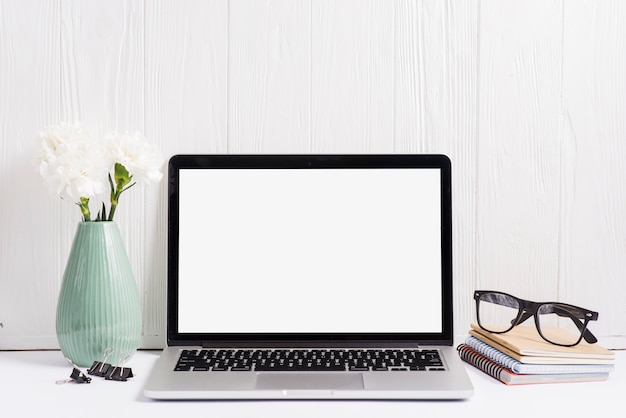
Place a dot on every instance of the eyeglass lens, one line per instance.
(497, 312)
(559, 324)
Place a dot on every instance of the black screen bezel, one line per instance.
(319, 161)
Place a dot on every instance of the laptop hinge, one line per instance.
(308, 344)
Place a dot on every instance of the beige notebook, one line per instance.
(524, 344)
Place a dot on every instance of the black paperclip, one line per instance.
(120, 373)
(101, 368)
(77, 375)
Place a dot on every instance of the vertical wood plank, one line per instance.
(269, 76)
(518, 151)
(102, 64)
(186, 75)
(434, 112)
(30, 262)
(352, 76)
(186, 112)
(592, 221)
(102, 86)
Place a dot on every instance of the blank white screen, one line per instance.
(309, 250)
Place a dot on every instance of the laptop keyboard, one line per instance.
(220, 360)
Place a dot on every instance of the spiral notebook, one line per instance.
(509, 377)
(526, 368)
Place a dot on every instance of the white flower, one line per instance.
(56, 136)
(71, 162)
(75, 164)
(142, 159)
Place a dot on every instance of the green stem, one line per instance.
(115, 198)
(118, 186)
(112, 211)
(83, 204)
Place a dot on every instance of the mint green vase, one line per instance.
(99, 310)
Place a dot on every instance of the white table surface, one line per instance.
(28, 388)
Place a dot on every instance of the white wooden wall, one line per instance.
(528, 98)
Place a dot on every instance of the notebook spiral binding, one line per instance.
(490, 367)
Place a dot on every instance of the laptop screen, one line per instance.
(293, 247)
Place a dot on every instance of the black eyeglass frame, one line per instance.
(529, 308)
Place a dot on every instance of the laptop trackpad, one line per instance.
(309, 380)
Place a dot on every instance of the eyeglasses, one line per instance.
(557, 323)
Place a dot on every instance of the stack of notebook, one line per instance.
(521, 356)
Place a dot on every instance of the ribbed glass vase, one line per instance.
(99, 309)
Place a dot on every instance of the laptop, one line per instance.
(309, 277)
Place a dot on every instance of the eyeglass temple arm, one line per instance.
(587, 335)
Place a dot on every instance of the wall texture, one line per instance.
(527, 98)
